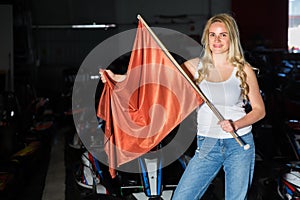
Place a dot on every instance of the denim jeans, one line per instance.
(211, 155)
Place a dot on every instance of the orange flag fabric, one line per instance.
(144, 108)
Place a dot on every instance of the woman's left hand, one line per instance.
(227, 125)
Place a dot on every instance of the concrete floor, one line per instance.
(55, 183)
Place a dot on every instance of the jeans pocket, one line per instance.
(200, 140)
(205, 145)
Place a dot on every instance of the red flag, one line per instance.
(141, 110)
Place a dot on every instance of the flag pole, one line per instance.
(210, 105)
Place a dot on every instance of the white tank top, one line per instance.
(226, 97)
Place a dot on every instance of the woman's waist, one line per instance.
(217, 131)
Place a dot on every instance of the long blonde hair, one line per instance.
(235, 55)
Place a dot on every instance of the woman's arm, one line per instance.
(258, 108)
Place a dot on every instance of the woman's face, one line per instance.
(218, 38)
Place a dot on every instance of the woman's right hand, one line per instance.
(110, 73)
(115, 77)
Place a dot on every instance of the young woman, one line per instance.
(228, 81)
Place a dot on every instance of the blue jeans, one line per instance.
(211, 155)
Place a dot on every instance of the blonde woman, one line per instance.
(228, 81)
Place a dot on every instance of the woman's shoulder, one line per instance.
(250, 70)
(192, 65)
(194, 61)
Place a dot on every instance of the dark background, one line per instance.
(43, 49)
